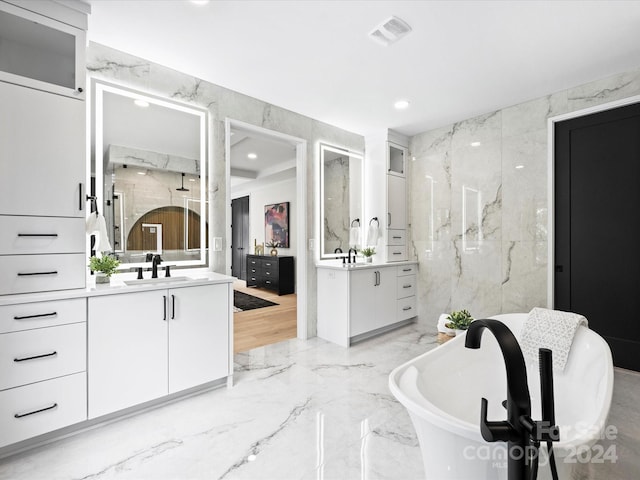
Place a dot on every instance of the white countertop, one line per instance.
(195, 276)
(337, 264)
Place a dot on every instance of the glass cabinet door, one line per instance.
(396, 159)
(41, 53)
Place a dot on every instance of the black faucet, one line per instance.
(355, 252)
(519, 430)
(339, 250)
(154, 266)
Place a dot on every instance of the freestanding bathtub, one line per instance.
(442, 389)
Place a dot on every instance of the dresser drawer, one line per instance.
(26, 316)
(397, 253)
(407, 270)
(406, 286)
(42, 407)
(41, 273)
(21, 235)
(406, 308)
(396, 237)
(43, 353)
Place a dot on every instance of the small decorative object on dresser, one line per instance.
(104, 267)
(273, 246)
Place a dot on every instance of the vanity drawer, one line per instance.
(41, 273)
(26, 316)
(42, 407)
(397, 253)
(396, 237)
(406, 286)
(43, 353)
(406, 308)
(21, 235)
(407, 270)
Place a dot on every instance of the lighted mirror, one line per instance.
(150, 176)
(341, 193)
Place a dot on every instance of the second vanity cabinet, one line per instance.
(145, 345)
(357, 303)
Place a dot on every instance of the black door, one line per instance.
(239, 237)
(597, 225)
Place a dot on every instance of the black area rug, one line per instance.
(243, 302)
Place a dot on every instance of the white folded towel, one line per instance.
(550, 329)
(373, 235)
(354, 237)
(96, 225)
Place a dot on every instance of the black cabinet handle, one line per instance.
(388, 219)
(39, 315)
(406, 269)
(53, 272)
(173, 307)
(164, 305)
(37, 235)
(81, 196)
(20, 415)
(24, 359)
(406, 286)
(396, 237)
(397, 253)
(406, 309)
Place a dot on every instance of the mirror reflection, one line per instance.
(150, 176)
(341, 177)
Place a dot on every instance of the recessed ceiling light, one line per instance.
(519, 167)
(200, 2)
(252, 156)
(141, 103)
(142, 173)
(401, 104)
(475, 144)
(192, 179)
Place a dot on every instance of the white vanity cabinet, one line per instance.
(42, 367)
(359, 302)
(145, 345)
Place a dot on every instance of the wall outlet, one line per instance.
(312, 244)
(217, 244)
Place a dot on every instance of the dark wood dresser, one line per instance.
(274, 273)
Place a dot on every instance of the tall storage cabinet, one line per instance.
(386, 156)
(42, 146)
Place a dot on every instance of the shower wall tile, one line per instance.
(498, 263)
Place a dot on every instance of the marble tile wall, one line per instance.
(492, 258)
(336, 202)
(124, 69)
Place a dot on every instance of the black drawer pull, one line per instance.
(20, 415)
(406, 286)
(53, 272)
(173, 307)
(39, 315)
(397, 237)
(406, 308)
(407, 269)
(24, 359)
(37, 234)
(164, 305)
(397, 253)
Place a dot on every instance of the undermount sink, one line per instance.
(153, 281)
(356, 265)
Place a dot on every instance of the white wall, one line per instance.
(278, 192)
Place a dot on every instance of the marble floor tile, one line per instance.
(299, 410)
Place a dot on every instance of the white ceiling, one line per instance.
(463, 58)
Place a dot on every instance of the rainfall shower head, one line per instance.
(182, 189)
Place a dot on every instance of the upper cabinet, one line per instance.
(396, 159)
(42, 53)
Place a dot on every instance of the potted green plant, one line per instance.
(104, 267)
(458, 321)
(368, 253)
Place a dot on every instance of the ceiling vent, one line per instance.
(390, 31)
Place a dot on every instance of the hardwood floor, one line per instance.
(264, 326)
